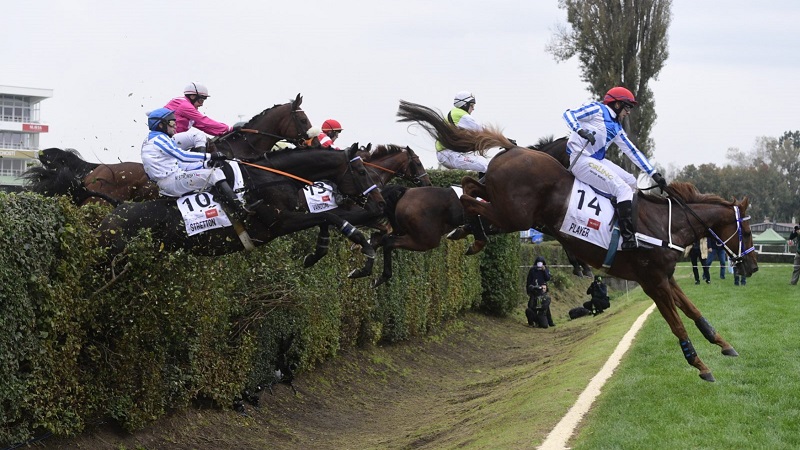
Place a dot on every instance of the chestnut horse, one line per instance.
(526, 189)
(64, 173)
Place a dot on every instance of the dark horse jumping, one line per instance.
(527, 189)
(384, 163)
(65, 173)
(276, 181)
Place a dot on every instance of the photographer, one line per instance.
(599, 292)
(795, 236)
(538, 310)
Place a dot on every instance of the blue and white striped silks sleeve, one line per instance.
(573, 117)
(167, 145)
(633, 153)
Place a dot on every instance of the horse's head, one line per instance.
(286, 122)
(388, 161)
(739, 245)
(722, 221)
(357, 181)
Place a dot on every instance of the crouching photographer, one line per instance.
(538, 310)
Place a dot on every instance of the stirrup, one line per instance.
(249, 208)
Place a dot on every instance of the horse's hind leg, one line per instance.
(663, 294)
(323, 242)
(358, 238)
(388, 245)
(691, 311)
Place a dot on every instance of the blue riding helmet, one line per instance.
(159, 115)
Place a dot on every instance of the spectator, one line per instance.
(698, 253)
(599, 292)
(716, 249)
(538, 310)
(794, 238)
(739, 280)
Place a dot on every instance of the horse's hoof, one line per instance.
(457, 234)
(358, 273)
(708, 377)
(730, 352)
(476, 247)
(379, 281)
(309, 261)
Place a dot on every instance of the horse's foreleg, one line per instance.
(472, 209)
(387, 242)
(323, 242)
(663, 297)
(691, 311)
(356, 237)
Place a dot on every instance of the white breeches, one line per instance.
(604, 175)
(192, 138)
(463, 161)
(180, 182)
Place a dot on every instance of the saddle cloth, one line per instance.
(201, 212)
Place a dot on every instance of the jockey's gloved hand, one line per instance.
(586, 135)
(660, 181)
(237, 126)
(216, 159)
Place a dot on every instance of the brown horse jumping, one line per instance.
(527, 189)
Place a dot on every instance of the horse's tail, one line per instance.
(61, 181)
(454, 138)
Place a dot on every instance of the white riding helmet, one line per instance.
(463, 99)
(196, 89)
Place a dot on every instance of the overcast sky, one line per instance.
(731, 77)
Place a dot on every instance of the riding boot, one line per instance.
(230, 202)
(626, 229)
(481, 177)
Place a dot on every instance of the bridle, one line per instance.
(299, 140)
(735, 258)
(402, 173)
(362, 198)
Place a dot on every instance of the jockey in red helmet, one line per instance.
(595, 126)
(330, 131)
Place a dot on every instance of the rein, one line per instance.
(739, 219)
(395, 172)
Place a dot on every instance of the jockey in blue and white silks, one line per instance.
(177, 171)
(594, 127)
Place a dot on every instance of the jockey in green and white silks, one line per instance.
(464, 104)
(594, 127)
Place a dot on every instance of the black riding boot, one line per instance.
(626, 229)
(230, 203)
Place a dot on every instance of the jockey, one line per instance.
(187, 116)
(177, 171)
(463, 105)
(331, 129)
(595, 126)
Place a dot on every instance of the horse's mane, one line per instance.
(385, 150)
(264, 112)
(542, 142)
(689, 194)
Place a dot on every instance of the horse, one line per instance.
(419, 216)
(65, 173)
(389, 161)
(385, 162)
(275, 180)
(526, 189)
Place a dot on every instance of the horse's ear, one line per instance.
(297, 101)
(745, 203)
(351, 152)
(368, 147)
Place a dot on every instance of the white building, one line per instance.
(20, 126)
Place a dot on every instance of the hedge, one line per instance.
(80, 340)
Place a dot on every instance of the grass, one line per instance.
(653, 402)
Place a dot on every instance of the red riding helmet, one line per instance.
(621, 94)
(331, 125)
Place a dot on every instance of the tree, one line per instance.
(618, 43)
